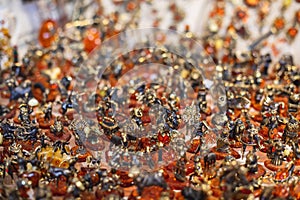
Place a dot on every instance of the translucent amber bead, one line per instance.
(292, 32)
(279, 23)
(91, 39)
(251, 3)
(48, 33)
(297, 16)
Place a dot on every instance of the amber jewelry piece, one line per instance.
(241, 13)
(292, 33)
(284, 174)
(279, 23)
(252, 3)
(297, 16)
(48, 33)
(92, 39)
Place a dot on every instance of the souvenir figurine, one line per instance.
(237, 132)
(18, 91)
(271, 121)
(190, 193)
(137, 115)
(47, 120)
(209, 160)
(276, 155)
(201, 130)
(223, 146)
(197, 166)
(180, 171)
(293, 104)
(234, 177)
(290, 132)
(58, 132)
(251, 138)
(70, 103)
(24, 115)
(255, 170)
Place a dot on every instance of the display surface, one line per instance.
(145, 99)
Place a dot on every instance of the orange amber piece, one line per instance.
(131, 6)
(296, 191)
(292, 32)
(164, 138)
(48, 33)
(251, 3)
(220, 11)
(152, 192)
(297, 16)
(279, 23)
(33, 176)
(58, 187)
(91, 39)
(281, 191)
(241, 14)
(87, 195)
(282, 175)
(194, 145)
(126, 181)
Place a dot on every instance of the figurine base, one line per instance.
(194, 145)
(65, 136)
(29, 145)
(260, 172)
(215, 188)
(236, 145)
(297, 162)
(59, 187)
(81, 156)
(268, 164)
(222, 155)
(45, 124)
(174, 184)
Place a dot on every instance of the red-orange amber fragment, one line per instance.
(251, 3)
(164, 138)
(281, 175)
(131, 6)
(241, 14)
(296, 191)
(279, 23)
(297, 15)
(194, 145)
(292, 32)
(48, 33)
(91, 39)
(281, 191)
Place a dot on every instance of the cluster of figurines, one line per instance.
(146, 140)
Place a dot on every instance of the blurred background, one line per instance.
(24, 18)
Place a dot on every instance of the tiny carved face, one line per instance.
(23, 110)
(293, 125)
(58, 126)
